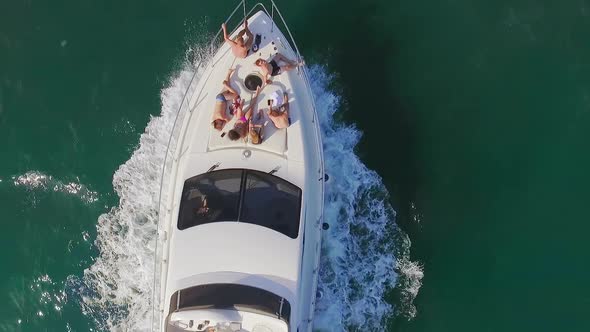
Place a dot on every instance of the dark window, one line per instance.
(223, 296)
(271, 202)
(241, 195)
(210, 197)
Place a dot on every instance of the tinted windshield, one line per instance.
(242, 196)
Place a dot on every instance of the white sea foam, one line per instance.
(116, 290)
(363, 248)
(409, 284)
(35, 180)
(359, 263)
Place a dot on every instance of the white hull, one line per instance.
(242, 253)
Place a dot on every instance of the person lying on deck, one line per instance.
(272, 68)
(255, 127)
(280, 116)
(239, 47)
(220, 117)
(241, 126)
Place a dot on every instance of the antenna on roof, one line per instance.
(276, 169)
(213, 167)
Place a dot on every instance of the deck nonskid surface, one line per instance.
(277, 141)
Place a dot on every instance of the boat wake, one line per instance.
(365, 255)
(35, 181)
(116, 290)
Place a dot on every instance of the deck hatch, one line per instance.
(253, 81)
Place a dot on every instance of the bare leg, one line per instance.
(287, 68)
(240, 110)
(229, 92)
(248, 114)
(258, 89)
(230, 95)
(279, 57)
(290, 66)
(228, 76)
(253, 104)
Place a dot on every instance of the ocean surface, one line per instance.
(456, 136)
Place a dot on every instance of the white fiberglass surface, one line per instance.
(222, 320)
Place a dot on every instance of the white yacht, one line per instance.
(240, 223)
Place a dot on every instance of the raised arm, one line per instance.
(253, 104)
(225, 37)
(247, 30)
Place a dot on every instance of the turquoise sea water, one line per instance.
(465, 124)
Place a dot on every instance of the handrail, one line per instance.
(182, 109)
(305, 77)
(288, 30)
(273, 7)
(183, 103)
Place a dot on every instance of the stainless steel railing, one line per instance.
(163, 210)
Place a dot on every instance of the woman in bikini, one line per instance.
(255, 128)
(272, 68)
(220, 117)
(241, 126)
